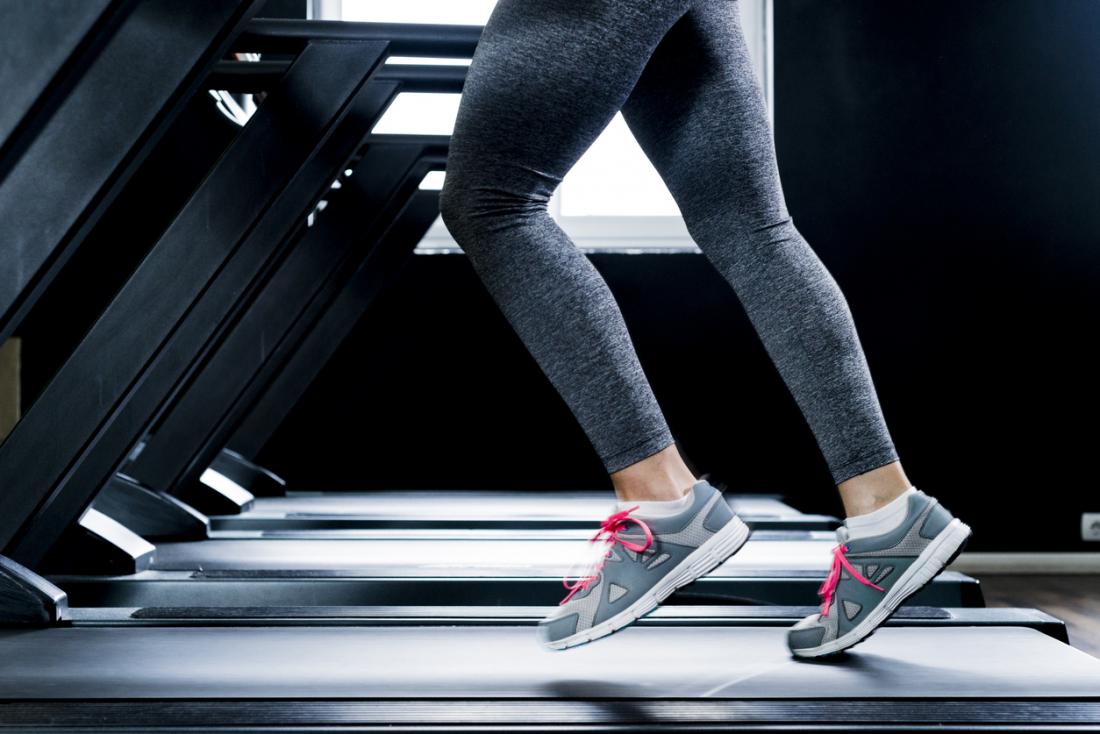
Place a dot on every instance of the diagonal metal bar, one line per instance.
(100, 133)
(45, 48)
(204, 417)
(333, 328)
(75, 434)
(405, 39)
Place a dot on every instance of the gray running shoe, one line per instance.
(645, 561)
(871, 577)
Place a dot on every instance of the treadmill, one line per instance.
(561, 513)
(198, 275)
(233, 668)
(46, 51)
(64, 64)
(277, 678)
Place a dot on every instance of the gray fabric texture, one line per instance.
(883, 560)
(546, 78)
(720, 514)
(687, 528)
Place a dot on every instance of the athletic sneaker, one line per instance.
(646, 559)
(872, 576)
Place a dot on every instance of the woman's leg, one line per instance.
(546, 79)
(698, 113)
(700, 117)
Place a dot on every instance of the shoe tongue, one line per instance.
(842, 534)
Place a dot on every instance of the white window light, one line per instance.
(449, 12)
(612, 197)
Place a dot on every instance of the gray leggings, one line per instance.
(546, 79)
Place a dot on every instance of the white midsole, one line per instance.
(929, 563)
(702, 560)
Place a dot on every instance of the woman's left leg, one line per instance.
(698, 113)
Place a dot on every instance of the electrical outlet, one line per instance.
(1090, 526)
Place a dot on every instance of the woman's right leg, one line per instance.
(546, 79)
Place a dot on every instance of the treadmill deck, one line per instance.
(480, 663)
(429, 557)
(574, 513)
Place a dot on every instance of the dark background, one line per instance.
(942, 158)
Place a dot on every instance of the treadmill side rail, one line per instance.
(256, 479)
(152, 515)
(27, 599)
(98, 544)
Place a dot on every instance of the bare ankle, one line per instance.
(662, 476)
(872, 490)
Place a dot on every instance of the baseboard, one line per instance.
(1027, 563)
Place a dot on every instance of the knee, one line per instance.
(735, 241)
(475, 207)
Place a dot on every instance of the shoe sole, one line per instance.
(943, 549)
(701, 561)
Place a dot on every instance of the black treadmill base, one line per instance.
(589, 714)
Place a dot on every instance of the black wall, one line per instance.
(945, 156)
(943, 159)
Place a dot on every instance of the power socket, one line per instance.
(1090, 526)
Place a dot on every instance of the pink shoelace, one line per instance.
(828, 589)
(608, 533)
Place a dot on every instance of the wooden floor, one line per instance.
(1073, 599)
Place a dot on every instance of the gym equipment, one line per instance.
(220, 645)
(772, 568)
(430, 677)
(561, 514)
(90, 156)
(46, 49)
(371, 199)
(668, 615)
(196, 275)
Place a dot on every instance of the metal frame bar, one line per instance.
(256, 76)
(101, 400)
(333, 327)
(200, 423)
(405, 39)
(80, 160)
(47, 48)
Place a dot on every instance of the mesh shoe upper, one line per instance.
(880, 560)
(627, 575)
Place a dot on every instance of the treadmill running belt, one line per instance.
(506, 662)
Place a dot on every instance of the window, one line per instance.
(613, 198)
